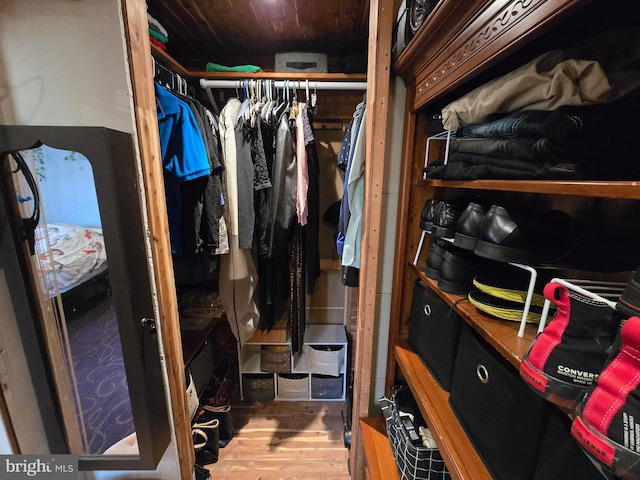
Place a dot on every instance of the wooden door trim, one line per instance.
(381, 17)
(139, 55)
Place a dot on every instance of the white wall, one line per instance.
(63, 63)
(67, 187)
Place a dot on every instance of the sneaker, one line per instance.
(565, 359)
(607, 425)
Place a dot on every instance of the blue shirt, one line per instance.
(184, 156)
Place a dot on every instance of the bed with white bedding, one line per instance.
(68, 256)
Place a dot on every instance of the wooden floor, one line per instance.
(285, 441)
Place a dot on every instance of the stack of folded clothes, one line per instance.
(158, 35)
(567, 114)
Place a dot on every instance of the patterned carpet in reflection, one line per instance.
(100, 375)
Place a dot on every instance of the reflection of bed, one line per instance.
(68, 255)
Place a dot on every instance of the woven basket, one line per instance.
(324, 359)
(325, 386)
(258, 387)
(275, 358)
(293, 386)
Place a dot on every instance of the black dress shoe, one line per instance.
(457, 270)
(428, 214)
(468, 227)
(524, 238)
(434, 259)
(446, 219)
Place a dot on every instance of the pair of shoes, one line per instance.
(434, 259)
(550, 238)
(453, 268)
(588, 360)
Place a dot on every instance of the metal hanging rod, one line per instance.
(321, 85)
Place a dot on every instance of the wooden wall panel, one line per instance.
(381, 18)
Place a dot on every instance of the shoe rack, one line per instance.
(455, 51)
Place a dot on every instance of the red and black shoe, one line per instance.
(607, 425)
(566, 358)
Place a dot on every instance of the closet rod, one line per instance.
(321, 85)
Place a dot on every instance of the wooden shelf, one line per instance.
(629, 190)
(169, 62)
(193, 338)
(377, 450)
(501, 334)
(453, 53)
(455, 447)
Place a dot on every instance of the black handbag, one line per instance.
(224, 417)
(206, 443)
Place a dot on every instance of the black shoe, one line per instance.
(428, 214)
(468, 227)
(526, 239)
(457, 270)
(446, 219)
(434, 259)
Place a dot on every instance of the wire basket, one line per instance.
(413, 462)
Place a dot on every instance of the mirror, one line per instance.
(107, 159)
(72, 268)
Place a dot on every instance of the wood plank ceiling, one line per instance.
(233, 32)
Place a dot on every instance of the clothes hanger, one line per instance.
(314, 95)
(283, 105)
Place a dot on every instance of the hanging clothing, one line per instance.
(344, 206)
(302, 178)
(213, 229)
(297, 308)
(281, 203)
(355, 190)
(184, 159)
(236, 148)
(311, 230)
(238, 283)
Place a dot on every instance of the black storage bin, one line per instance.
(326, 386)
(561, 458)
(502, 417)
(434, 330)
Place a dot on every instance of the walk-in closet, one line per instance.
(187, 216)
(287, 239)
